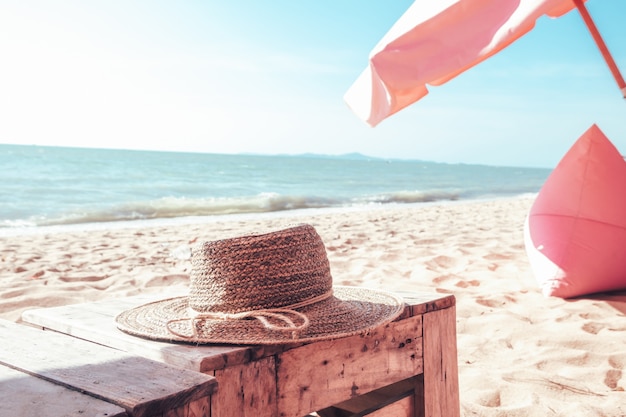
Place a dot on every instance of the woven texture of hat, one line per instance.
(260, 273)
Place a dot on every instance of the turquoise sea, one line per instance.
(41, 186)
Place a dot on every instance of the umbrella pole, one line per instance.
(580, 5)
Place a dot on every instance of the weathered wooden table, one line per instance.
(54, 375)
(407, 368)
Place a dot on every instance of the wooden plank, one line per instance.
(246, 390)
(419, 396)
(347, 367)
(95, 322)
(421, 303)
(141, 386)
(441, 383)
(368, 404)
(401, 408)
(331, 412)
(24, 395)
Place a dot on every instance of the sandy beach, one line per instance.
(520, 354)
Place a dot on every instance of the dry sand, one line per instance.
(520, 354)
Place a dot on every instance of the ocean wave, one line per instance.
(413, 197)
(172, 207)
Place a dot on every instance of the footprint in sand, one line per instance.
(491, 399)
(466, 284)
(493, 267)
(593, 327)
(611, 379)
(442, 278)
(441, 261)
(613, 375)
(496, 301)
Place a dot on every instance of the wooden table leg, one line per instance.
(441, 376)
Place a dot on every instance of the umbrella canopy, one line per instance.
(434, 41)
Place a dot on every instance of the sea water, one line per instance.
(42, 186)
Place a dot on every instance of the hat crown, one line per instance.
(268, 271)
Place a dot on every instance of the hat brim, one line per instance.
(350, 311)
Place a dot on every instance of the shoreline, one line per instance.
(187, 220)
(519, 353)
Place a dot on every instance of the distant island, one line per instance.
(353, 156)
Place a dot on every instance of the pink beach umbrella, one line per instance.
(434, 41)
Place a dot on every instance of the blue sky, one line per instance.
(269, 77)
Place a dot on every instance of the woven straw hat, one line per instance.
(265, 289)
